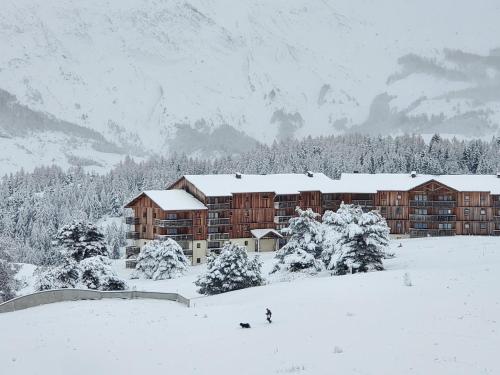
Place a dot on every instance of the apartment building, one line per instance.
(201, 212)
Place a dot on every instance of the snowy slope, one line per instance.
(446, 323)
(268, 68)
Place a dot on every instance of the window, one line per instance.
(154, 215)
(445, 226)
(466, 225)
(198, 260)
(421, 211)
(421, 225)
(466, 198)
(383, 211)
(198, 246)
(199, 230)
(399, 196)
(466, 211)
(144, 214)
(172, 231)
(398, 225)
(246, 243)
(213, 215)
(420, 197)
(144, 228)
(483, 211)
(247, 213)
(482, 225)
(398, 210)
(213, 229)
(171, 216)
(444, 211)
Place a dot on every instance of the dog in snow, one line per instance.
(245, 325)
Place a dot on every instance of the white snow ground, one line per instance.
(447, 322)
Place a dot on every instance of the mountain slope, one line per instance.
(269, 69)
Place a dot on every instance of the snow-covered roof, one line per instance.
(259, 233)
(172, 200)
(371, 183)
(227, 184)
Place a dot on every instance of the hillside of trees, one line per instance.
(33, 206)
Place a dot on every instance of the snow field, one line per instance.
(445, 323)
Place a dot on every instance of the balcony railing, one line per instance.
(219, 221)
(176, 237)
(218, 236)
(362, 203)
(132, 235)
(132, 251)
(286, 204)
(433, 217)
(176, 223)
(130, 220)
(185, 245)
(431, 232)
(282, 219)
(219, 206)
(433, 203)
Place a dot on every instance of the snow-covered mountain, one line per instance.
(153, 75)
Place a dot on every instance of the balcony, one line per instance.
(219, 221)
(496, 203)
(175, 223)
(433, 203)
(431, 232)
(218, 236)
(219, 206)
(362, 203)
(132, 235)
(285, 204)
(282, 219)
(131, 251)
(176, 237)
(428, 218)
(331, 203)
(130, 220)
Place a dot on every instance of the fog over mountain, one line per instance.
(86, 82)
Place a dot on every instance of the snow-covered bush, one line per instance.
(81, 240)
(355, 241)
(160, 260)
(304, 245)
(8, 282)
(231, 270)
(65, 275)
(96, 273)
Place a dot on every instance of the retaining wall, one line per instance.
(60, 295)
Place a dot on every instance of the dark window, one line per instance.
(198, 260)
(482, 225)
(246, 243)
(171, 216)
(198, 245)
(483, 211)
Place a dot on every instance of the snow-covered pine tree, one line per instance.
(115, 239)
(304, 245)
(8, 283)
(81, 240)
(96, 273)
(160, 260)
(362, 240)
(231, 270)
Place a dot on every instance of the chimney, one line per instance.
(413, 174)
(238, 175)
(309, 174)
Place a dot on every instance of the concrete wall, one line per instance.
(60, 295)
(241, 241)
(200, 252)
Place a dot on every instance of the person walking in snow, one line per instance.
(268, 315)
